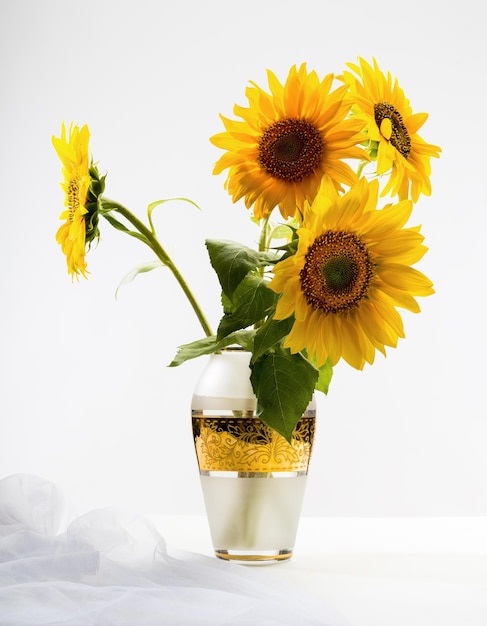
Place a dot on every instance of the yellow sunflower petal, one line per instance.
(287, 140)
(402, 154)
(351, 272)
(72, 150)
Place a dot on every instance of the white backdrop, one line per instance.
(86, 399)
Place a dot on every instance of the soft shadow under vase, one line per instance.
(253, 480)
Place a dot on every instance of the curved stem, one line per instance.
(151, 240)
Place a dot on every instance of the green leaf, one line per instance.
(289, 249)
(282, 231)
(119, 226)
(270, 334)
(226, 304)
(140, 269)
(251, 302)
(232, 262)
(284, 385)
(209, 345)
(157, 203)
(324, 379)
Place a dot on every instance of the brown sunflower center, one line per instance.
(290, 149)
(336, 273)
(73, 197)
(400, 137)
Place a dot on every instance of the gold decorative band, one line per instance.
(246, 444)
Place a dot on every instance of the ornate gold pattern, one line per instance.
(246, 444)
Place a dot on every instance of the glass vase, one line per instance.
(253, 480)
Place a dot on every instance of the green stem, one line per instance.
(263, 247)
(360, 168)
(263, 243)
(153, 243)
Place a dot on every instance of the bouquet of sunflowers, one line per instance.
(329, 276)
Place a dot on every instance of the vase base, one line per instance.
(249, 557)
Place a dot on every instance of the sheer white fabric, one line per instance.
(112, 568)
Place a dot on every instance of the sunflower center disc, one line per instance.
(290, 149)
(339, 272)
(73, 197)
(400, 137)
(336, 273)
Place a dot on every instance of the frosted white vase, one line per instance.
(253, 480)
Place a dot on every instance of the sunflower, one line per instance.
(287, 141)
(73, 152)
(350, 272)
(392, 129)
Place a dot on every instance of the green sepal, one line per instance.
(372, 148)
(92, 204)
(251, 301)
(284, 384)
(97, 184)
(290, 248)
(210, 345)
(232, 262)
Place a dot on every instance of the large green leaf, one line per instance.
(270, 334)
(232, 262)
(209, 345)
(251, 301)
(284, 385)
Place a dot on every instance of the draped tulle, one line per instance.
(109, 567)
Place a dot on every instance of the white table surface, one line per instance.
(376, 571)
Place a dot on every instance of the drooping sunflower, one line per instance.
(287, 141)
(352, 269)
(392, 127)
(82, 185)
